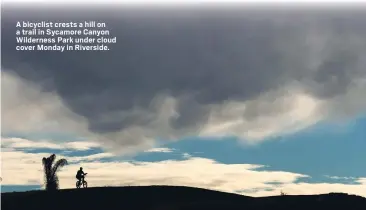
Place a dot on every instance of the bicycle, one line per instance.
(82, 182)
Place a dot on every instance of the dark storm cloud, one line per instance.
(200, 57)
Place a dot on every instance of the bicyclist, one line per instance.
(80, 174)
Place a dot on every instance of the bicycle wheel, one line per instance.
(77, 184)
(85, 184)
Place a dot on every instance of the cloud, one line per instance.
(21, 143)
(187, 155)
(227, 121)
(163, 150)
(20, 168)
(27, 108)
(337, 177)
(251, 74)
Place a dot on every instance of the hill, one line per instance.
(170, 198)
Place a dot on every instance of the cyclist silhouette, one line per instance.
(80, 175)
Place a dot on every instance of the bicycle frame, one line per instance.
(82, 182)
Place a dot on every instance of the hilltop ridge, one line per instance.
(170, 197)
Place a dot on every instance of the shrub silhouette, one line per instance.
(50, 170)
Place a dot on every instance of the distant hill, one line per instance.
(170, 198)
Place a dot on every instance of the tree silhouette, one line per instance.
(50, 170)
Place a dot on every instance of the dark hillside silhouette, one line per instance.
(170, 198)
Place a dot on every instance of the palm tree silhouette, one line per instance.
(50, 169)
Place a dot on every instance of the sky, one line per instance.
(249, 100)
